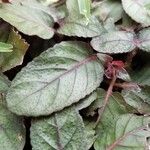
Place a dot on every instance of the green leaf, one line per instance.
(64, 130)
(73, 9)
(12, 131)
(144, 39)
(15, 58)
(86, 101)
(112, 130)
(4, 83)
(29, 17)
(53, 80)
(108, 9)
(48, 2)
(76, 25)
(142, 76)
(85, 8)
(90, 133)
(124, 132)
(137, 11)
(115, 106)
(4, 47)
(114, 42)
(141, 73)
(140, 100)
(147, 6)
(80, 28)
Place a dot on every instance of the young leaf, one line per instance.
(85, 8)
(140, 100)
(12, 131)
(10, 60)
(61, 131)
(29, 17)
(125, 132)
(59, 77)
(137, 11)
(144, 38)
(114, 42)
(4, 47)
(73, 9)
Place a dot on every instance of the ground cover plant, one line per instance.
(75, 75)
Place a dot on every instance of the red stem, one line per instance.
(106, 100)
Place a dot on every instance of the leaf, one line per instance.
(86, 101)
(4, 83)
(12, 131)
(5, 29)
(114, 42)
(15, 58)
(76, 25)
(80, 28)
(125, 132)
(64, 130)
(137, 11)
(4, 47)
(108, 9)
(116, 105)
(123, 74)
(38, 22)
(73, 9)
(48, 2)
(142, 76)
(115, 123)
(140, 100)
(144, 39)
(141, 73)
(53, 80)
(147, 6)
(90, 133)
(85, 8)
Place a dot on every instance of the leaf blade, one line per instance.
(138, 99)
(12, 135)
(144, 38)
(67, 65)
(39, 18)
(63, 130)
(5, 47)
(20, 46)
(114, 42)
(137, 11)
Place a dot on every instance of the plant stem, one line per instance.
(108, 94)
